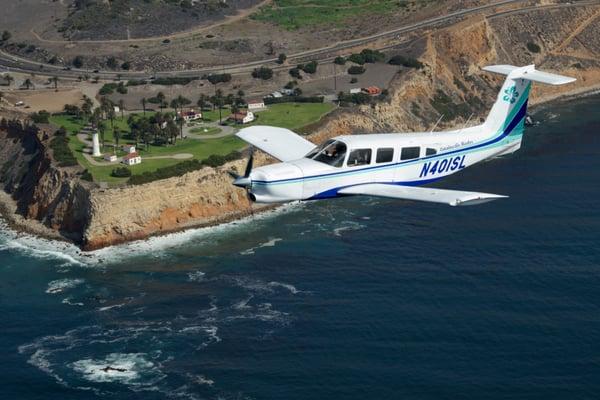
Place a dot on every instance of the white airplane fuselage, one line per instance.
(307, 179)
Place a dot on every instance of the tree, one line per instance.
(143, 101)
(86, 107)
(218, 101)
(356, 70)
(202, 100)
(9, 79)
(239, 100)
(235, 108)
(183, 101)
(126, 65)
(281, 58)
(339, 60)
(111, 62)
(27, 83)
(54, 80)
(102, 130)
(263, 73)
(78, 62)
(117, 137)
(180, 122)
(6, 35)
(160, 96)
(309, 68)
(122, 108)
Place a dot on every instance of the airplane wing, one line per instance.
(281, 143)
(451, 197)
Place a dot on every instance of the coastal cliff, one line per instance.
(450, 84)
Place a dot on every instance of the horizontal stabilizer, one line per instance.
(530, 73)
(281, 143)
(451, 197)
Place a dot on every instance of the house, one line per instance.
(117, 109)
(132, 159)
(372, 91)
(190, 115)
(276, 95)
(129, 148)
(355, 90)
(256, 105)
(110, 158)
(242, 117)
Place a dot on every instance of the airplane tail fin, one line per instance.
(510, 109)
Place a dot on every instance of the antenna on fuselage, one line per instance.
(437, 123)
(466, 123)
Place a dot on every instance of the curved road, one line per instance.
(20, 64)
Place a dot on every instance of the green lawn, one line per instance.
(292, 115)
(212, 116)
(296, 14)
(286, 115)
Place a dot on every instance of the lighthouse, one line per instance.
(95, 145)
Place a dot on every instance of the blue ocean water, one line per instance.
(347, 299)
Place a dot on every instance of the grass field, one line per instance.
(296, 14)
(286, 115)
(292, 115)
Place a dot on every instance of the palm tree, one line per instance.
(54, 80)
(160, 96)
(240, 97)
(27, 83)
(180, 122)
(111, 116)
(102, 130)
(174, 105)
(117, 136)
(235, 108)
(183, 101)
(143, 101)
(218, 101)
(202, 100)
(122, 108)
(9, 79)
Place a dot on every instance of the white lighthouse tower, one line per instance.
(95, 145)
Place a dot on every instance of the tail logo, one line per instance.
(511, 95)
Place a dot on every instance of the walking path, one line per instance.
(226, 130)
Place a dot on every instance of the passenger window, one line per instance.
(385, 155)
(359, 157)
(430, 151)
(408, 153)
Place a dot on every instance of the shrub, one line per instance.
(173, 80)
(183, 168)
(294, 99)
(60, 148)
(263, 73)
(40, 117)
(340, 60)
(281, 58)
(126, 65)
(310, 68)
(356, 98)
(408, 62)
(107, 88)
(372, 56)
(295, 72)
(87, 176)
(353, 80)
(532, 47)
(6, 35)
(111, 62)
(218, 78)
(78, 62)
(136, 82)
(444, 105)
(121, 172)
(357, 59)
(356, 70)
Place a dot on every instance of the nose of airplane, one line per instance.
(276, 183)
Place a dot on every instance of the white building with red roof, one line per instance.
(132, 159)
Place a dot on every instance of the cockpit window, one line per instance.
(332, 152)
(359, 157)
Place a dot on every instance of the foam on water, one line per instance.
(60, 285)
(71, 255)
(127, 368)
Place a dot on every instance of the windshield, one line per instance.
(332, 152)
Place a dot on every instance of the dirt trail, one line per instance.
(240, 15)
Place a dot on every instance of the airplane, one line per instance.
(391, 165)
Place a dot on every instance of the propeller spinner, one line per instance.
(244, 181)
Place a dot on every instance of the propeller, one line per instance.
(244, 181)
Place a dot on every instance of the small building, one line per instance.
(117, 109)
(129, 148)
(110, 157)
(372, 91)
(242, 117)
(256, 105)
(19, 103)
(190, 115)
(276, 95)
(355, 90)
(132, 159)
(287, 92)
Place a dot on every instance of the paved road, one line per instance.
(21, 64)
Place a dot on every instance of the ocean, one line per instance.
(354, 298)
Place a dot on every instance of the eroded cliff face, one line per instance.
(52, 196)
(198, 198)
